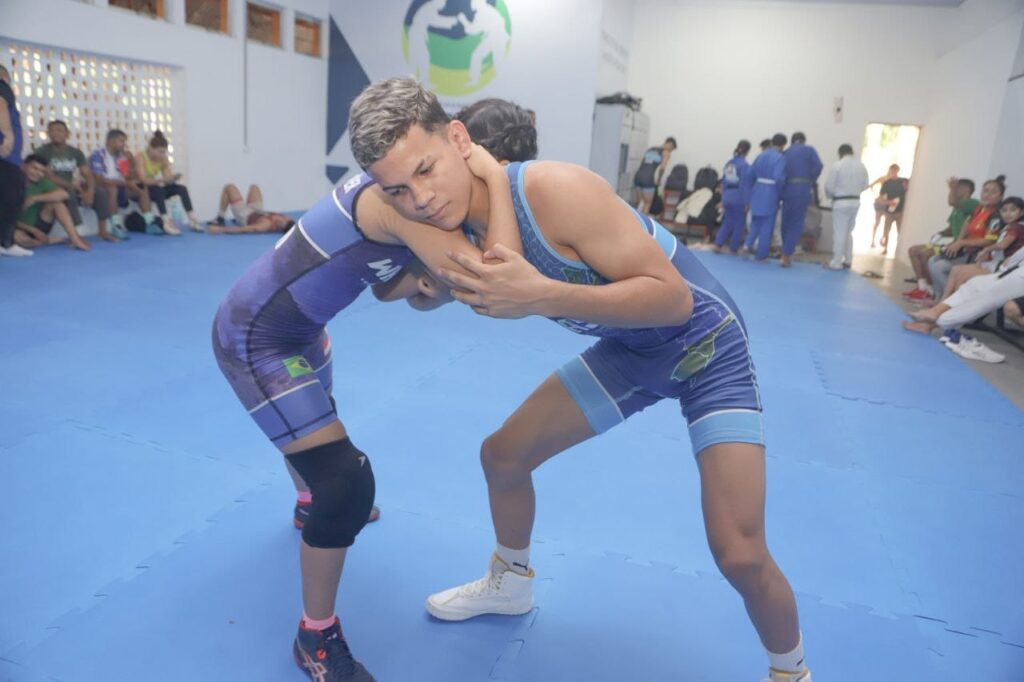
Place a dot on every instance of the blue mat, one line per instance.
(894, 501)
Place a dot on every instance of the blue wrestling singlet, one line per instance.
(268, 334)
(705, 363)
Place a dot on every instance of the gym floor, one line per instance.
(147, 523)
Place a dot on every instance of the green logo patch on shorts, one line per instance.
(297, 366)
(700, 354)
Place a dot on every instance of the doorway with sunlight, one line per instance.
(885, 144)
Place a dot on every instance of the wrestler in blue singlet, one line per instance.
(705, 363)
(269, 336)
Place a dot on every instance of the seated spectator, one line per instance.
(153, 169)
(249, 214)
(961, 192)
(63, 162)
(44, 203)
(981, 230)
(1011, 239)
(12, 180)
(975, 299)
(112, 168)
(1014, 311)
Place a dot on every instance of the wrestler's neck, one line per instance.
(479, 208)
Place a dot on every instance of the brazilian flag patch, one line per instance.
(297, 366)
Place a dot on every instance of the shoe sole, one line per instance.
(436, 612)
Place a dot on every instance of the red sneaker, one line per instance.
(916, 294)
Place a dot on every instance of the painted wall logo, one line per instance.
(456, 47)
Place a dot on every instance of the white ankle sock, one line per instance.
(518, 560)
(793, 662)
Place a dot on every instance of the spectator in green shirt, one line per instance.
(960, 198)
(63, 161)
(44, 203)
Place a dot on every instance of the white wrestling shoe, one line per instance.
(501, 591)
(779, 676)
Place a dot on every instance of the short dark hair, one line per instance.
(1013, 201)
(1000, 181)
(966, 182)
(57, 122)
(845, 150)
(384, 112)
(115, 132)
(743, 147)
(765, 143)
(779, 140)
(35, 158)
(799, 138)
(502, 128)
(673, 141)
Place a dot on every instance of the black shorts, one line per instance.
(43, 225)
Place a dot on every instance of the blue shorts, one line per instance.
(286, 390)
(713, 379)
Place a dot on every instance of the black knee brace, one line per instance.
(341, 481)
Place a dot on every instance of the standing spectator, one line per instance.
(766, 143)
(961, 191)
(735, 200)
(113, 171)
(766, 176)
(982, 229)
(44, 203)
(890, 205)
(154, 171)
(648, 176)
(846, 180)
(63, 161)
(12, 180)
(881, 205)
(803, 166)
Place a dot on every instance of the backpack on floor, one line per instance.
(707, 177)
(677, 179)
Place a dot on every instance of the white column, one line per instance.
(288, 29)
(174, 12)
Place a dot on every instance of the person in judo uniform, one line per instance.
(767, 176)
(735, 199)
(803, 166)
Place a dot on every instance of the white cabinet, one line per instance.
(617, 145)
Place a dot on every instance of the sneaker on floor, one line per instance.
(171, 229)
(779, 676)
(219, 220)
(15, 251)
(324, 656)
(916, 294)
(154, 229)
(972, 349)
(301, 514)
(196, 226)
(119, 232)
(501, 591)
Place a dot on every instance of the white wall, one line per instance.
(713, 71)
(551, 66)
(969, 87)
(287, 93)
(616, 46)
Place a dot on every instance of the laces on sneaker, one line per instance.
(334, 652)
(489, 583)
